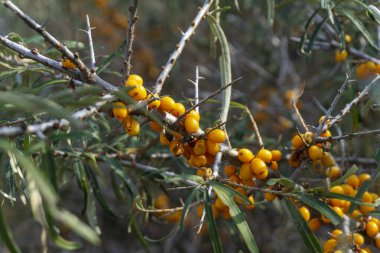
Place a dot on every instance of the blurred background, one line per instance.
(273, 70)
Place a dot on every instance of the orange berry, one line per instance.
(119, 110)
(164, 140)
(212, 147)
(250, 182)
(138, 79)
(333, 172)
(200, 147)
(199, 161)
(66, 63)
(336, 232)
(269, 196)
(317, 166)
(245, 155)
(305, 213)
(274, 166)
(132, 128)
(347, 38)
(364, 177)
(252, 201)
(178, 110)
(308, 137)
(155, 104)
(330, 245)
(315, 152)
(358, 239)
(328, 160)
(176, 147)
(191, 125)
(217, 136)
(193, 114)
(353, 180)
(348, 190)
(229, 170)
(235, 178)
(161, 202)
(265, 155)
(276, 155)
(258, 167)
(245, 172)
(237, 198)
(326, 134)
(322, 118)
(297, 141)
(314, 224)
(371, 229)
(341, 56)
(200, 210)
(294, 163)
(167, 104)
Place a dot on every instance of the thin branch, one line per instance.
(180, 46)
(347, 136)
(90, 44)
(129, 40)
(294, 101)
(196, 86)
(348, 106)
(73, 57)
(255, 127)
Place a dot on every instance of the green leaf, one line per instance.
(186, 206)
(320, 206)
(307, 235)
(228, 198)
(301, 48)
(375, 12)
(213, 229)
(6, 236)
(270, 11)
(360, 27)
(282, 181)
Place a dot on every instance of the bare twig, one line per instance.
(196, 86)
(348, 106)
(347, 136)
(180, 46)
(129, 40)
(90, 44)
(255, 127)
(294, 101)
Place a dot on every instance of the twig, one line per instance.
(90, 45)
(347, 136)
(255, 127)
(196, 87)
(294, 101)
(129, 40)
(333, 104)
(208, 97)
(180, 46)
(360, 160)
(74, 58)
(348, 106)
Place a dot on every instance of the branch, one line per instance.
(253, 121)
(180, 46)
(90, 45)
(347, 136)
(74, 58)
(129, 40)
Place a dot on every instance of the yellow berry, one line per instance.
(367, 197)
(119, 110)
(133, 128)
(252, 201)
(191, 125)
(328, 160)
(265, 155)
(229, 170)
(217, 136)
(200, 147)
(297, 141)
(155, 104)
(305, 213)
(167, 104)
(245, 172)
(199, 161)
(276, 155)
(336, 232)
(259, 167)
(358, 239)
(371, 229)
(135, 78)
(341, 55)
(314, 224)
(245, 155)
(353, 180)
(364, 177)
(347, 38)
(377, 241)
(333, 172)
(176, 147)
(138, 92)
(269, 196)
(330, 245)
(178, 110)
(164, 140)
(348, 190)
(274, 166)
(315, 152)
(235, 178)
(66, 63)
(193, 114)
(212, 147)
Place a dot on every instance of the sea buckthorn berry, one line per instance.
(164, 140)
(347, 38)
(317, 166)
(119, 110)
(245, 155)
(274, 166)
(341, 55)
(258, 166)
(376, 220)
(294, 163)
(326, 134)
(200, 147)
(66, 63)
(250, 182)
(348, 190)
(199, 161)
(138, 92)
(252, 201)
(138, 79)
(336, 232)
(263, 175)
(333, 172)
(229, 170)
(193, 114)
(245, 172)
(235, 178)
(178, 110)
(212, 147)
(353, 180)
(167, 104)
(217, 136)
(328, 160)
(305, 213)
(314, 224)
(210, 159)
(276, 155)
(371, 229)
(297, 141)
(365, 250)
(308, 137)
(155, 126)
(155, 104)
(330, 245)
(191, 125)
(366, 197)
(269, 196)
(265, 155)
(364, 177)
(358, 239)
(176, 147)
(315, 152)
(161, 202)
(134, 129)
(322, 118)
